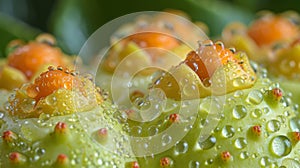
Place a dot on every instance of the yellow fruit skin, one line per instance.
(11, 78)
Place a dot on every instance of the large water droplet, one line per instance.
(240, 143)
(228, 131)
(239, 111)
(255, 97)
(280, 146)
(273, 126)
(181, 147)
(208, 143)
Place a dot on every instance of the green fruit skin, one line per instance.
(40, 141)
(232, 133)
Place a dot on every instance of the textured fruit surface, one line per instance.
(54, 92)
(25, 61)
(211, 70)
(252, 127)
(63, 141)
(11, 78)
(60, 120)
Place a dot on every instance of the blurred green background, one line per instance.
(72, 21)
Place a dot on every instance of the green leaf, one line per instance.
(11, 29)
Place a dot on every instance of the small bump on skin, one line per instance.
(164, 162)
(62, 159)
(225, 156)
(256, 130)
(174, 118)
(9, 136)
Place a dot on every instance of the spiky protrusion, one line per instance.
(60, 128)
(165, 162)
(277, 93)
(102, 135)
(62, 159)
(256, 130)
(173, 118)
(9, 136)
(16, 158)
(225, 156)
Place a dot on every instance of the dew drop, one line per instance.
(194, 164)
(189, 90)
(209, 161)
(208, 143)
(136, 130)
(295, 124)
(166, 139)
(153, 130)
(288, 162)
(239, 111)
(244, 155)
(280, 146)
(238, 82)
(228, 131)
(255, 97)
(181, 147)
(265, 161)
(256, 113)
(240, 143)
(273, 126)
(238, 93)
(1, 115)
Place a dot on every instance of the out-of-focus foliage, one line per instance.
(72, 21)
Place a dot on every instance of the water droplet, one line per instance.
(228, 131)
(153, 130)
(256, 113)
(238, 93)
(189, 90)
(40, 151)
(136, 130)
(208, 143)
(295, 124)
(265, 161)
(240, 143)
(288, 162)
(209, 161)
(273, 126)
(266, 110)
(194, 164)
(244, 155)
(255, 97)
(238, 82)
(280, 146)
(239, 111)
(166, 139)
(1, 115)
(181, 147)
